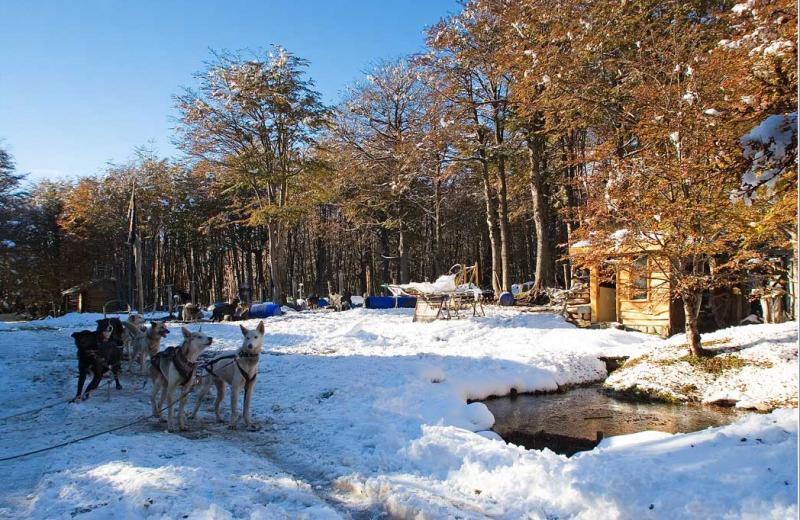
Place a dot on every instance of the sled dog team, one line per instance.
(173, 369)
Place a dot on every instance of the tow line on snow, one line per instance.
(46, 406)
(85, 437)
(62, 401)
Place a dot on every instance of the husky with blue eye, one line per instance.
(238, 371)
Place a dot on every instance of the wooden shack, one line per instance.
(91, 296)
(635, 291)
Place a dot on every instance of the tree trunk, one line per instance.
(384, 240)
(544, 256)
(504, 231)
(276, 234)
(691, 308)
(491, 222)
(403, 254)
(437, 228)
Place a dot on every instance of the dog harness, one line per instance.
(184, 367)
(235, 357)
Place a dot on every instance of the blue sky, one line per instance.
(84, 82)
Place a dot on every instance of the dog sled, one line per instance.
(445, 298)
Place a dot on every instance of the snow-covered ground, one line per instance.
(363, 412)
(758, 369)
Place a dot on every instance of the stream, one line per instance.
(575, 420)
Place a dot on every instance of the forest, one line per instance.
(524, 127)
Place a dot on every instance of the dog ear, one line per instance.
(260, 327)
(186, 333)
(244, 330)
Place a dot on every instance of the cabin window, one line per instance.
(639, 278)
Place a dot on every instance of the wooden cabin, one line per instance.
(634, 291)
(90, 297)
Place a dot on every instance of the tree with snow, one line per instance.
(254, 119)
(668, 195)
(11, 203)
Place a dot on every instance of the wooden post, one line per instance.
(169, 299)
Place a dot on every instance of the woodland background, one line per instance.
(524, 127)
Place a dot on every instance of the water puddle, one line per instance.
(577, 419)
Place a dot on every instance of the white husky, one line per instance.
(237, 371)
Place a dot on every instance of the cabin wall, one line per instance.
(650, 315)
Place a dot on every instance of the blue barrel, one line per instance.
(388, 302)
(506, 299)
(264, 310)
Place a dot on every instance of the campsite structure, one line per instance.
(634, 289)
(91, 296)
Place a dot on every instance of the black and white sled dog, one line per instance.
(174, 368)
(238, 371)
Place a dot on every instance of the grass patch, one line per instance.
(647, 395)
(635, 361)
(710, 364)
(690, 391)
(718, 364)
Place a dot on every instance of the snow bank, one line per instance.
(747, 469)
(764, 375)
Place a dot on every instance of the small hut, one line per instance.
(634, 290)
(91, 296)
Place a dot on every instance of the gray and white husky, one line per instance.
(174, 368)
(144, 343)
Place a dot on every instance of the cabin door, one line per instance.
(607, 295)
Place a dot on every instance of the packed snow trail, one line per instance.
(364, 411)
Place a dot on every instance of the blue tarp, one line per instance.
(388, 302)
(264, 310)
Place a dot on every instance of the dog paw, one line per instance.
(232, 427)
(119, 387)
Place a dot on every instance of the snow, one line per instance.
(767, 379)
(445, 283)
(766, 146)
(743, 8)
(366, 412)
